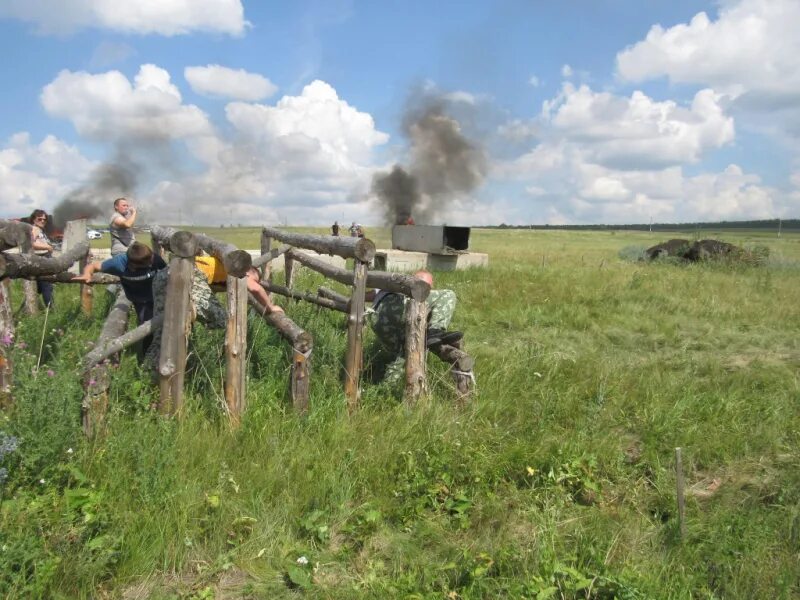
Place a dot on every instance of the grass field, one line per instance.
(558, 480)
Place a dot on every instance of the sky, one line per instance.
(478, 112)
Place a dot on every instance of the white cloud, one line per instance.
(308, 159)
(165, 17)
(107, 107)
(534, 81)
(37, 175)
(215, 80)
(638, 131)
(566, 71)
(751, 49)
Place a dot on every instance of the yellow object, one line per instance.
(212, 268)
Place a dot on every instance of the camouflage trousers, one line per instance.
(389, 325)
(204, 303)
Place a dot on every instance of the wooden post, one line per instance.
(679, 489)
(74, 234)
(177, 323)
(31, 299)
(6, 339)
(266, 246)
(87, 292)
(236, 349)
(288, 269)
(416, 324)
(355, 326)
(96, 379)
(302, 344)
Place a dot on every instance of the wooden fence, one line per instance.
(176, 320)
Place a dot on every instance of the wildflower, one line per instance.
(50, 373)
(22, 345)
(303, 561)
(42, 481)
(92, 382)
(7, 339)
(70, 450)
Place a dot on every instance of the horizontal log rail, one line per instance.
(101, 352)
(325, 292)
(16, 266)
(268, 257)
(288, 329)
(67, 277)
(237, 262)
(394, 282)
(346, 247)
(308, 297)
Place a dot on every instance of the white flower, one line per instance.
(69, 450)
(302, 561)
(42, 481)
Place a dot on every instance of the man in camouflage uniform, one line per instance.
(204, 302)
(389, 325)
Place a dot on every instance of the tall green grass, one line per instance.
(557, 481)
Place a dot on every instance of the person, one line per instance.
(359, 231)
(335, 228)
(353, 230)
(205, 304)
(136, 269)
(42, 246)
(388, 323)
(121, 226)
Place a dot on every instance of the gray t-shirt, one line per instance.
(121, 237)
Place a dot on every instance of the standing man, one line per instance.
(335, 228)
(121, 226)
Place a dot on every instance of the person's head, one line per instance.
(426, 276)
(121, 205)
(140, 256)
(38, 218)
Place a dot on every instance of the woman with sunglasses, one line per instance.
(42, 246)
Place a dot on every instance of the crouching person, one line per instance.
(206, 307)
(389, 325)
(136, 268)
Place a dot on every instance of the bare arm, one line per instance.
(89, 270)
(261, 294)
(126, 223)
(38, 244)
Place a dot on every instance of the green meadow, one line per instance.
(557, 481)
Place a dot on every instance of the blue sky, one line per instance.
(230, 111)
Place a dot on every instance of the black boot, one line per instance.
(435, 336)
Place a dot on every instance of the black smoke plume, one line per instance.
(96, 196)
(444, 165)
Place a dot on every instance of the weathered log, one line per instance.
(347, 247)
(302, 344)
(236, 349)
(416, 323)
(161, 235)
(266, 250)
(24, 265)
(15, 234)
(288, 329)
(237, 262)
(184, 244)
(270, 255)
(96, 379)
(74, 234)
(100, 353)
(394, 282)
(175, 335)
(354, 355)
(31, 297)
(461, 367)
(308, 297)
(67, 277)
(325, 292)
(6, 338)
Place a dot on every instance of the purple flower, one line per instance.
(92, 382)
(22, 345)
(7, 339)
(50, 372)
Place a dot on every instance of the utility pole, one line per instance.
(779, 227)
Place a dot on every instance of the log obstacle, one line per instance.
(96, 380)
(15, 234)
(74, 234)
(236, 348)
(19, 266)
